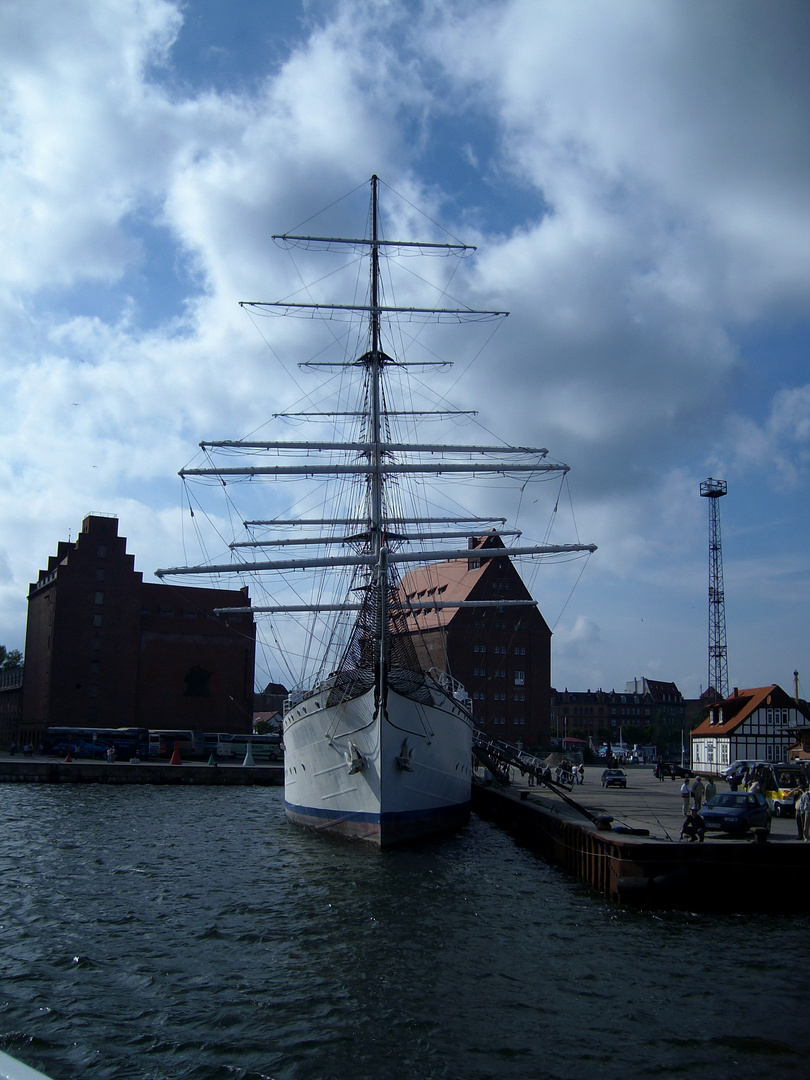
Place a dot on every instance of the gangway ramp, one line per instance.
(500, 757)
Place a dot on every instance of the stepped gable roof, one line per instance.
(453, 580)
(736, 708)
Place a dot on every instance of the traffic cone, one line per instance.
(175, 758)
(248, 756)
(68, 758)
(211, 760)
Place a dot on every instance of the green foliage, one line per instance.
(9, 660)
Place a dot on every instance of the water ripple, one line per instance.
(197, 934)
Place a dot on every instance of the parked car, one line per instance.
(778, 784)
(738, 770)
(614, 778)
(669, 768)
(736, 813)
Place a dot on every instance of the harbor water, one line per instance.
(192, 934)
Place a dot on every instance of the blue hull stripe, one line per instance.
(391, 818)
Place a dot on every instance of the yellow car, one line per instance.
(778, 783)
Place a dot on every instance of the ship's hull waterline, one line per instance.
(383, 779)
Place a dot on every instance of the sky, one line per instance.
(635, 175)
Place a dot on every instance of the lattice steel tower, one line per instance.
(718, 651)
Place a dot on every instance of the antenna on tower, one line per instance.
(718, 650)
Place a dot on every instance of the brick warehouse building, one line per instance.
(104, 648)
(656, 711)
(502, 655)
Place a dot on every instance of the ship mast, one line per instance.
(376, 457)
(375, 363)
(378, 547)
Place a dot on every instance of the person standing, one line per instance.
(711, 790)
(797, 794)
(803, 808)
(697, 792)
(685, 796)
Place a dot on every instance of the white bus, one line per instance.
(262, 747)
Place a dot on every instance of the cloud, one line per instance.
(636, 178)
(85, 134)
(780, 444)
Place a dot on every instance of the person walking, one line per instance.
(685, 796)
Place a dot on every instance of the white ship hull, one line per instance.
(384, 780)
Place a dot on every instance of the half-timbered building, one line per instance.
(749, 725)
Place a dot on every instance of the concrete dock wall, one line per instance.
(719, 875)
(44, 771)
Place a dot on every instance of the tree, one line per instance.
(10, 660)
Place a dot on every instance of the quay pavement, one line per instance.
(646, 803)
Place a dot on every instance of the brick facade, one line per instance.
(655, 710)
(105, 649)
(502, 655)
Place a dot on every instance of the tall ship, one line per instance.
(377, 735)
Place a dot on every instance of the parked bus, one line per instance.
(262, 747)
(94, 742)
(163, 742)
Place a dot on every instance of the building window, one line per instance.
(97, 619)
(102, 551)
(520, 678)
(100, 575)
(98, 598)
(197, 681)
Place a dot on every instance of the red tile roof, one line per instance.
(734, 710)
